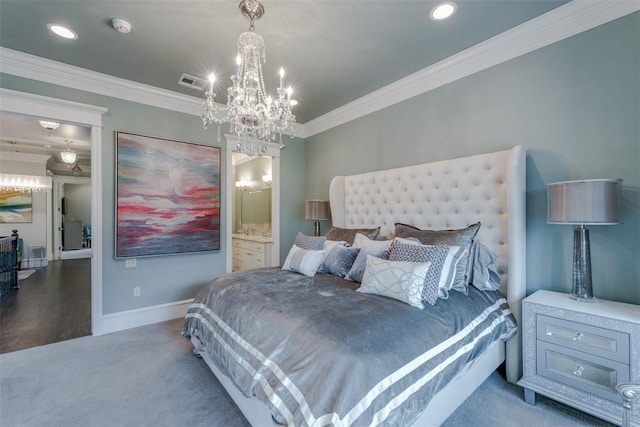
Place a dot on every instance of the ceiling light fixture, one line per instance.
(255, 118)
(77, 170)
(49, 125)
(63, 32)
(10, 182)
(67, 155)
(443, 11)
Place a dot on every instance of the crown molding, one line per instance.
(24, 157)
(46, 70)
(565, 21)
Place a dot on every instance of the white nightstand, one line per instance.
(576, 352)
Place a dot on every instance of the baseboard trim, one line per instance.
(122, 320)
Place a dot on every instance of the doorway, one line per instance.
(26, 104)
(258, 180)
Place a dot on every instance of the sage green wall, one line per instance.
(162, 279)
(575, 108)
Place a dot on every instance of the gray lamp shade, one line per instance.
(317, 210)
(585, 202)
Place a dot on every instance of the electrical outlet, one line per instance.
(130, 263)
(136, 291)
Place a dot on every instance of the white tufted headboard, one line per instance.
(449, 194)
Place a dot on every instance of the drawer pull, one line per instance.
(578, 371)
(578, 337)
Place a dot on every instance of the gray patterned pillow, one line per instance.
(314, 243)
(348, 234)
(443, 259)
(339, 261)
(357, 269)
(462, 237)
(401, 280)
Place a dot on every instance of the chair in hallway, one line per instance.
(86, 236)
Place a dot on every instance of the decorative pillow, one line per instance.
(443, 259)
(348, 234)
(357, 269)
(401, 280)
(377, 248)
(303, 261)
(315, 243)
(483, 272)
(328, 246)
(362, 241)
(462, 237)
(339, 260)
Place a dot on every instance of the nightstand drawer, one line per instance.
(583, 371)
(601, 342)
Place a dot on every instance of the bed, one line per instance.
(310, 350)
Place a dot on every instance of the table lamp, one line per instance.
(583, 202)
(317, 210)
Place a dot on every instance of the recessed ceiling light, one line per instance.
(443, 11)
(63, 32)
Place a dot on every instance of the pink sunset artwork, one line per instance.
(167, 196)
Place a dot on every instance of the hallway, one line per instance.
(53, 304)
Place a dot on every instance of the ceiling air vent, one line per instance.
(192, 82)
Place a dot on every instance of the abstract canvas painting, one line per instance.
(16, 206)
(167, 196)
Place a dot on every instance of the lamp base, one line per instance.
(580, 299)
(582, 289)
(316, 230)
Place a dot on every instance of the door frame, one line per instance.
(273, 151)
(37, 106)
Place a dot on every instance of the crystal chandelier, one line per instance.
(67, 155)
(255, 118)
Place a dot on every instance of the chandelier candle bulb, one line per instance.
(212, 79)
(281, 77)
(238, 61)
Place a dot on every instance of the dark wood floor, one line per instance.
(52, 305)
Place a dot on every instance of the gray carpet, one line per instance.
(148, 377)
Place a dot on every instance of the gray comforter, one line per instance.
(319, 353)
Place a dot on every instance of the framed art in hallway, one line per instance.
(167, 196)
(16, 206)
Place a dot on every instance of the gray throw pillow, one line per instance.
(314, 243)
(339, 261)
(462, 237)
(359, 265)
(349, 234)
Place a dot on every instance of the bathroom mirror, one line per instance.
(255, 206)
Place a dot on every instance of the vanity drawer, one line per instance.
(591, 374)
(248, 245)
(600, 342)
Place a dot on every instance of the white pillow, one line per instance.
(401, 280)
(362, 241)
(303, 261)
